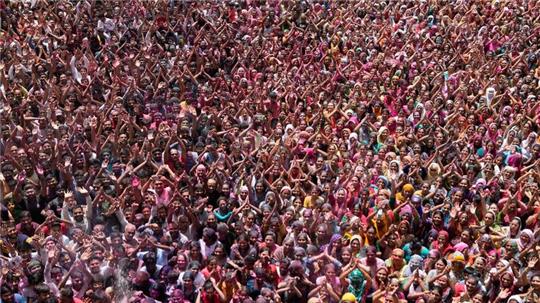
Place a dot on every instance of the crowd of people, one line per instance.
(270, 151)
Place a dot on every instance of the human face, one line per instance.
(95, 266)
(488, 219)
(439, 265)
(434, 296)
(524, 238)
(269, 241)
(514, 226)
(219, 252)
(355, 245)
(382, 275)
(397, 256)
(78, 214)
(471, 285)
(437, 219)
(506, 280)
(302, 241)
(188, 283)
(478, 298)
(535, 282)
(370, 257)
(345, 256)
(129, 232)
(330, 273)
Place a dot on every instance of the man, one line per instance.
(77, 214)
(129, 236)
(96, 267)
(142, 282)
(32, 203)
(66, 296)
(14, 238)
(35, 277)
(26, 226)
(396, 261)
(43, 293)
(7, 295)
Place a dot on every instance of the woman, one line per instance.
(489, 225)
(193, 272)
(379, 282)
(358, 282)
(330, 277)
(391, 293)
(439, 270)
(242, 248)
(442, 243)
(223, 213)
(181, 263)
(355, 245)
(194, 253)
(415, 267)
(504, 284)
(526, 237)
(213, 269)
(394, 170)
(513, 230)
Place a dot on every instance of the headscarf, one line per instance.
(408, 187)
(481, 182)
(379, 134)
(530, 234)
(461, 247)
(516, 298)
(269, 194)
(405, 210)
(336, 238)
(385, 180)
(416, 262)
(356, 237)
(358, 277)
(285, 134)
(394, 175)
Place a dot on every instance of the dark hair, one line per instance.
(116, 234)
(188, 275)
(4, 289)
(25, 214)
(208, 285)
(415, 245)
(98, 278)
(100, 296)
(437, 289)
(66, 292)
(271, 234)
(149, 257)
(94, 257)
(445, 262)
(172, 275)
(42, 288)
(194, 264)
